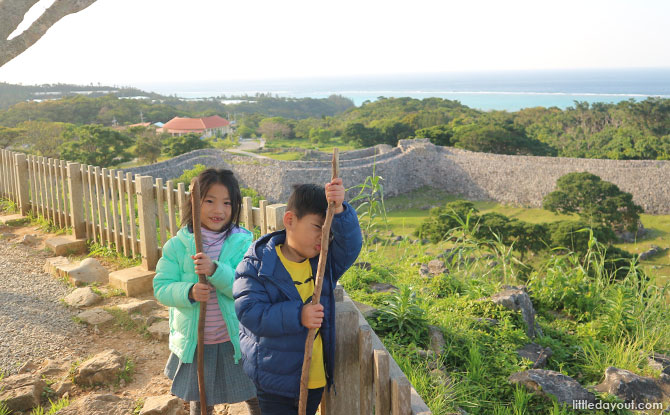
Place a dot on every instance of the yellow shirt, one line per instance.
(301, 272)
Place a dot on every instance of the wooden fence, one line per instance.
(137, 215)
(133, 215)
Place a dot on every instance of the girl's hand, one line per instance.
(200, 292)
(203, 264)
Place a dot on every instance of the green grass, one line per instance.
(287, 156)
(306, 144)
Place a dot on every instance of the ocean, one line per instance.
(508, 90)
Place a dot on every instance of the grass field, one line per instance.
(406, 213)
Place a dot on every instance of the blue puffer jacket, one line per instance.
(268, 306)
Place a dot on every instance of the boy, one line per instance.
(273, 288)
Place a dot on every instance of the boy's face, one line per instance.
(303, 235)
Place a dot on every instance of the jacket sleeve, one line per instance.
(224, 275)
(257, 313)
(347, 241)
(169, 290)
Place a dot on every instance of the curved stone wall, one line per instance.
(517, 180)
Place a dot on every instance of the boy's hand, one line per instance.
(312, 316)
(203, 264)
(200, 292)
(335, 193)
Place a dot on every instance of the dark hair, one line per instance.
(209, 177)
(306, 199)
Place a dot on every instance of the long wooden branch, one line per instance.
(318, 284)
(9, 49)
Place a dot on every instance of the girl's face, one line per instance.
(216, 208)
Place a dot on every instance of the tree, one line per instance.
(275, 127)
(439, 135)
(597, 201)
(148, 144)
(180, 144)
(12, 13)
(320, 135)
(95, 145)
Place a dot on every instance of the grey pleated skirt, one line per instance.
(225, 381)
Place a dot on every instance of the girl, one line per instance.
(176, 285)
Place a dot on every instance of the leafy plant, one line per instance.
(369, 203)
(403, 318)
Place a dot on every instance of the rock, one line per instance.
(63, 387)
(366, 310)
(142, 320)
(397, 238)
(424, 272)
(27, 367)
(517, 299)
(138, 306)
(660, 362)
(160, 330)
(437, 342)
(89, 271)
(650, 253)
(30, 240)
(536, 354)
(630, 387)
(100, 404)
(382, 287)
(95, 317)
(363, 265)
(82, 297)
(426, 354)
(564, 388)
(436, 267)
(102, 368)
(161, 405)
(443, 377)
(6, 236)
(21, 392)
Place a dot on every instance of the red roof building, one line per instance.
(207, 127)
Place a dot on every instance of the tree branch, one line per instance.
(9, 49)
(13, 12)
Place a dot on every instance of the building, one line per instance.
(206, 127)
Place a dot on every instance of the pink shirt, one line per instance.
(215, 327)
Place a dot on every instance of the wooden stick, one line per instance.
(318, 284)
(202, 278)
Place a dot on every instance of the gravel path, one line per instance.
(34, 324)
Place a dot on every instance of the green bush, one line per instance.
(403, 318)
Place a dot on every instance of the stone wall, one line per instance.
(516, 180)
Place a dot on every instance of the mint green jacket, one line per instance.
(175, 275)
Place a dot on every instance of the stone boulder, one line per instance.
(517, 299)
(382, 287)
(363, 265)
(21, 392)
(424, 272)
(564, 388)
(436, 267)
(82, 297)
(437, 342)
(95, 317)
(660, 362)
(162, 405)
(89, 271)
(103, 368)
(653, 250)
(30, 240)
(160, 330)
(631, 387)
(140, 306)
(100, 404)
(536, 354)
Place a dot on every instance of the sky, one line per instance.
(120, 42)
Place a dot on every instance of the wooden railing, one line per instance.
(137, 215)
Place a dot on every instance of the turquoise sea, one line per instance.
(509, 90)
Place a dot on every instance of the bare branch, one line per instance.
(9, 49)
(12, 12)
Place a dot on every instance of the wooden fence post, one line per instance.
(76, 200)
(275, 217)
(23, 183)
(401, 397)
(347, 372)
(247, 215)
(263, 223)
(365, 357)
(382, 383)
(146, 207)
